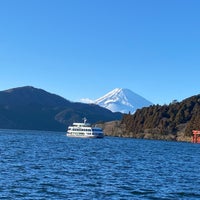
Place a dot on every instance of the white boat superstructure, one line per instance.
(84, 130)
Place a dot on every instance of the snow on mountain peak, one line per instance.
(122, 100)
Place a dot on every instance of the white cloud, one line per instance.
(86, 100)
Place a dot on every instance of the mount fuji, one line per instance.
(121, 100)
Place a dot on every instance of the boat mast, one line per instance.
(85, 120)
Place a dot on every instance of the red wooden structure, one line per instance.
(196, 136)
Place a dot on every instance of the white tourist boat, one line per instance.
(84, 130)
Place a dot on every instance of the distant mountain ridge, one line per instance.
(36, 109)
(28, 95)
(122, 100)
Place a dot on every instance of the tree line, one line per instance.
(172, 121)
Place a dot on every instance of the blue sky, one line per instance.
(86, 48)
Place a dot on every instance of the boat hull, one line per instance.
(84, 136)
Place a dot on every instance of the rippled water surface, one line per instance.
(48, 165)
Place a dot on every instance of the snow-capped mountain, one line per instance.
(122, 100)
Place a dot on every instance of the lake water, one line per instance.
(48, 165)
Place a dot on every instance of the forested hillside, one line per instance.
(175, 121)
(169, 122)
(35, 109)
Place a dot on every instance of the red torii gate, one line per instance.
(196, 136)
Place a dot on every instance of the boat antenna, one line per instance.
(85, 120)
